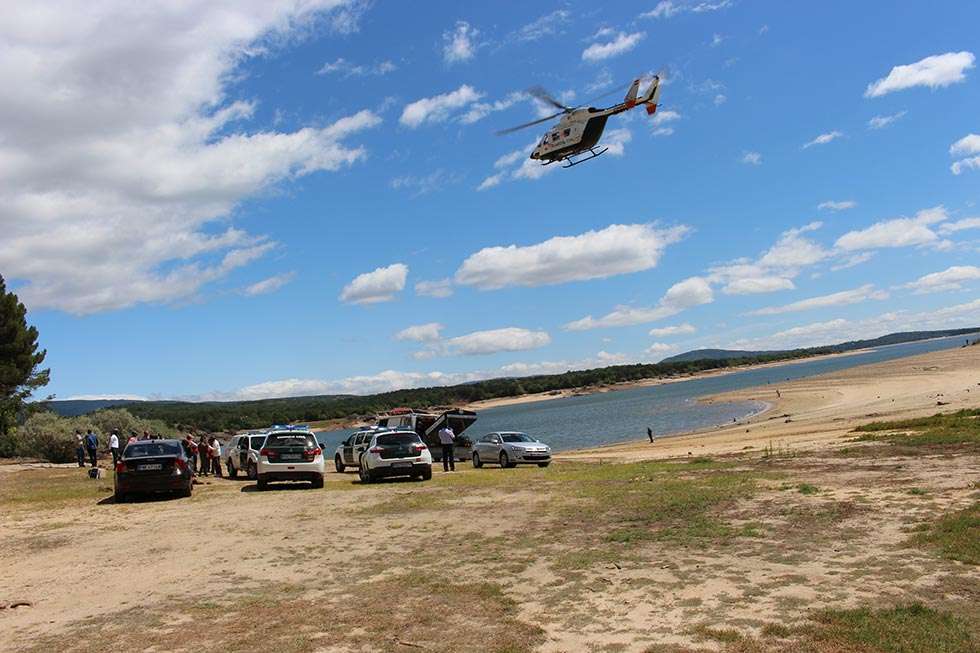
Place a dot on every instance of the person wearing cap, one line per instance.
(114, 446)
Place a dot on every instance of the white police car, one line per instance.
(290, 453)
(394, 453)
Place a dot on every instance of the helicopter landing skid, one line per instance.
(570, 162)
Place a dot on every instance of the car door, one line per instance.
(496, 445)
(360, 446)
(243, 446)
(347, 453)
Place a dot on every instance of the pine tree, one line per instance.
(19, 358)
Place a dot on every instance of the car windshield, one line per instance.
(148, 449)
(397, 439)
(290, 440)
(517, 437)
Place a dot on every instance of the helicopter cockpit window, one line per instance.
(554, 136)
(566, 132)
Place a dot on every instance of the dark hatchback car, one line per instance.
(152, 466)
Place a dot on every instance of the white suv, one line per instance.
(395, 453)
(290, 455)
(242, 454)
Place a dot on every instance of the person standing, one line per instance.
(132, 438)
(447, 438)
(80, 447)
(215, 449)
(92, 444)
(191, 451)
(650, 434)
(114, 446)
(203, 453)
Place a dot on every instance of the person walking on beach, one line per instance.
(92, 444)
(203, 454)
(114, 446)
(215, 448)
(80, 447)
(650, 434)
(447, 438)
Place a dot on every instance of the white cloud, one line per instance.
(669, 8)
(345, 68)
(754, 285)
(937, 71)
(269, 285)
(122, 155)
(751, 158)
(429, 332)
(676, 330)
(682, 295)
(959, 225)
(380, 285)
(480, 110)
(664, 117)
(659, 349)
(717, 39)
(663, 131)
(480, 343)
(438, 107)
(547, 25)
(460, 43)
(440, 288)
(951, 278)
(880, 122)
(853, 260)
(823, 139)
(615, 141)
(899, 232)
(720, 99)
(621, 44)
(831, 205)
(843, 298)
(425, 184)
(617, 249)
(969, 144)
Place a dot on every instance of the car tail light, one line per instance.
(268, 453)
(120, 467)
(181, 463)
(311, 454)
(376, 449)
(421, 447)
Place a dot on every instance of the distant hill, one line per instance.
(75, 407)
(890, 339)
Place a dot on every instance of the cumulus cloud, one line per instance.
(959, 225)
(751, 158)
(968, 145)
(269, 285)
(481, 343)
(480, 110)
(951, 278)
(676, 330)
(670, 8)
(380, 285)
(439, 107)
(547, 25)
(754, 285)
(823, 139)
(880, 122)
(429, 332)
(459, 44)
(899, 232)
(843, 298)
(934, 72)
(343, 68)
(122, 156)
(682, 295)
(775, 268)
(439, 288)
(831, 205)
(616, 249)
(620, 44)
(659, 349)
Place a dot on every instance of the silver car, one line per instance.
(510, 448)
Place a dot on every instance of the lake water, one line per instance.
(669, 409)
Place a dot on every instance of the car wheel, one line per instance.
(427, 473)
(476, 460)
(544, 464)
(186, 492)
(504, 460)
(318, 482)
(252, 472)
(119, 497)
(364, 473)
(262, 485)
(339, 465)
(232, 470)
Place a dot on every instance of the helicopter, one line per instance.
(580, 128)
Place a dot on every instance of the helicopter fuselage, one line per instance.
(577, 131)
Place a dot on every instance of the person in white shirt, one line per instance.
(114, 447)
(214, 446)
(447, 439)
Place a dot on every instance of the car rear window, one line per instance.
(517, 437)
(147, 449)
(290, 440)
(398, 439)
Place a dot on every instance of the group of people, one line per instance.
(205, 453)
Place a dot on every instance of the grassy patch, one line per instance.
(941, 429)
(405, 502)
(807, 488)
(955, 535)
(910, 628)
(51, 488)
(917, 491)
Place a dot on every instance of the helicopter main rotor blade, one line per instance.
(529, 124)
(544, 96)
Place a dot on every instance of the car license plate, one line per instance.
(149, 468)
(291, 456)
(401, 464)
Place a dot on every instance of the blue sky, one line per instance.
(244, 199)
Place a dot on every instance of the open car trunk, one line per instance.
(459, 420)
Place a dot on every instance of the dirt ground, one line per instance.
(734, 548)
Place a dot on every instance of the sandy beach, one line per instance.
(818, 411)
